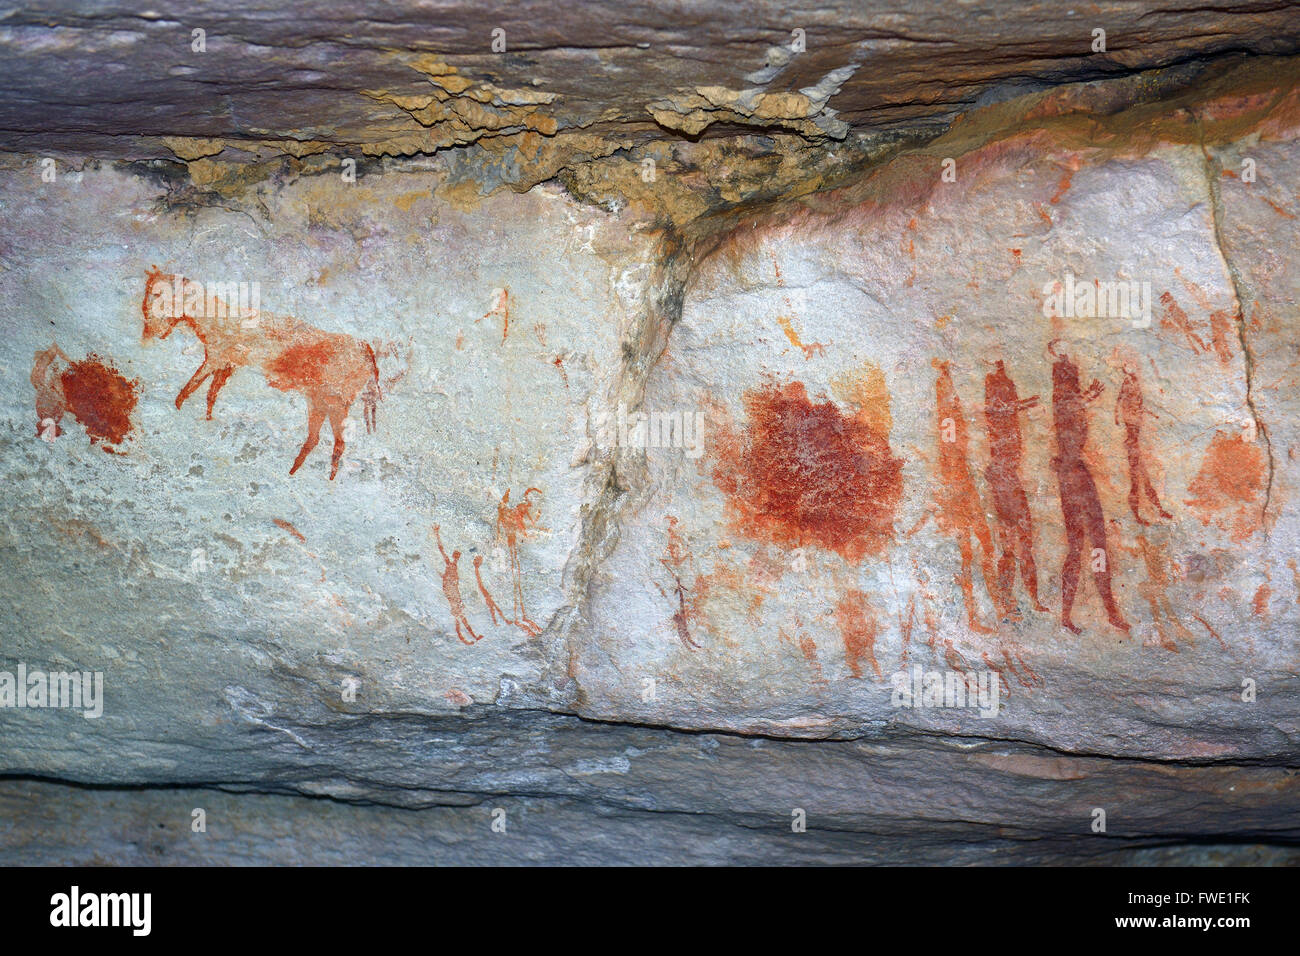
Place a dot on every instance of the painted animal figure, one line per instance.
(330, 369)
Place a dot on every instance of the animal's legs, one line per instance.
(315, 418)
(193, 384)
(368, 411)
(338, 418)
(219, 378)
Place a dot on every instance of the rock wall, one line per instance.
(641, 488)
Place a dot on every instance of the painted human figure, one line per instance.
(959, 512)
(513, 522)
(1080, 503)
(1161, 575)
(1015, 528)
(1131, 409)
(493, 609)
(451, 590)
(674, 556)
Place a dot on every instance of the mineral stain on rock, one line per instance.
(92, 391)
(804, 473)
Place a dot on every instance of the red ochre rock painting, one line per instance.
(1081, 509)
(451, 591)
(1013, 520)
(330, 369)
(1161, 573)
(1229, 487)
(514, 523)
(858, 627)
(675, 555)
(1131, 409)
(284, 525)
(959, 512)
(804, 473)
(92, 391)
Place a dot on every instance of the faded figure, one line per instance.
(959, 512)
(1162, 573)
(1131, 410)
(51, 403)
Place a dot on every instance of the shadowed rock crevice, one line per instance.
(1213, 175)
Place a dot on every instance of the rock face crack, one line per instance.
(1213, 174)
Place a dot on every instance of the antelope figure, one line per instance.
(329, 369)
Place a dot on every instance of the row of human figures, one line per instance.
(960, 513)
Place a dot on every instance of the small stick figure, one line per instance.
(500, 310)
(492, 607)
(512, 524)
(451, 589)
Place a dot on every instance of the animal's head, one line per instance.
(163, 304)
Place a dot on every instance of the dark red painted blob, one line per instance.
(302, 365)
(101, 398)
(805, 473)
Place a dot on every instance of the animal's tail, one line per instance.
(372, 394)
